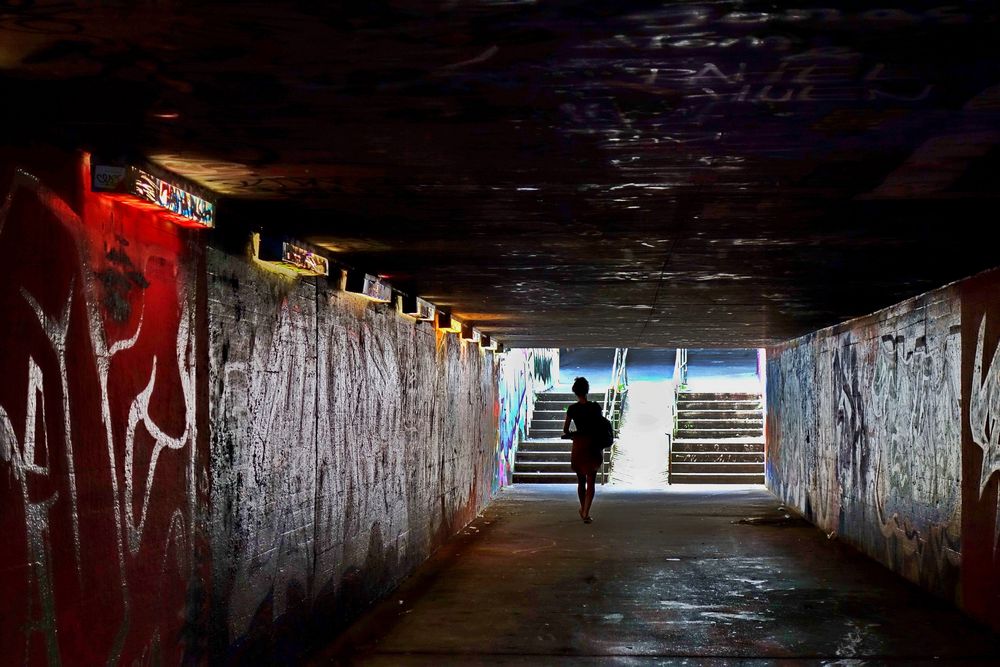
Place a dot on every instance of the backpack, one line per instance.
(604, 432)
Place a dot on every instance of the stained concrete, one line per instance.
(665, 577)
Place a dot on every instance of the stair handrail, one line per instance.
(678, 380)
(613, 396)
(617, 387)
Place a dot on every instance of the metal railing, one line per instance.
(613, 398)
(678, 380)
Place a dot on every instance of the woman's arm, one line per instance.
(566, 424)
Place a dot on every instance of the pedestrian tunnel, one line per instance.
(680, 417)
(211, 456)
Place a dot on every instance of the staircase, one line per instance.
(544, 458)
(720, 439)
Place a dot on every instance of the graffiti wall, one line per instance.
(883, 431)
(102, 457)
(348, 444)
(198, 455)
(981, 446)
(523, 373)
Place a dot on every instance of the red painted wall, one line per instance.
(102, 455)
(134, 535)
(981, 446)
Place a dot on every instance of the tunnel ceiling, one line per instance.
(575, 173)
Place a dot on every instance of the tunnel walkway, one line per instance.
(667, 574)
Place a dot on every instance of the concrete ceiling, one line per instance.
(564, 172)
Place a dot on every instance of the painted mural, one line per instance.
(864, 437)
(101, 462)
(523, 372)
(349, 443)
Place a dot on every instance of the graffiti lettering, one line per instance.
(984, 408)
(57, 519)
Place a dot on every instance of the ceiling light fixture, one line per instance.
(133, 183)
(445, 323)
(291, 254)
(414, 306)
(369, 286)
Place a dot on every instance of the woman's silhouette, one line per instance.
(586, 458)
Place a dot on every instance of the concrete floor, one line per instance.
(660, 577)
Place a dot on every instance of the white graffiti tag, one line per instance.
(984, 409)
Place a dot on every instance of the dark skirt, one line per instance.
(584, 460)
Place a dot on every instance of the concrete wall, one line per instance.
(870, 436)
(523, 374)
(347, 444)
(199, 458)
(103, 459)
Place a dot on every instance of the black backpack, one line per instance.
(604, 432)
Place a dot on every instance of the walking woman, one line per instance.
(586, 458)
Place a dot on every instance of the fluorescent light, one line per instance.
(368, 286)
(131, 181)
(292, 255)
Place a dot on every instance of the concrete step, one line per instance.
(545, 432)
(544, 478)
(547, 423)
(754, 413)
(715, 457)
(568, 397)
(558, 415)
(543, 467)
(716, 467)
(556, 406)
(551, 405)
(537, 456)
(717, 478)
(735, 445)
(683, 405)
(718, 396)
(545, 445)
(757, 423)
(702, 433)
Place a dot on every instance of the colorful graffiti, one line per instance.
(863, 436)
(521, 374)
(99, 436)
(885, 431)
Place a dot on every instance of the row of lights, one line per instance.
(135, 184)
(295, 257)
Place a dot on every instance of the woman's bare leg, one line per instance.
(588, 497)
(581, 491)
